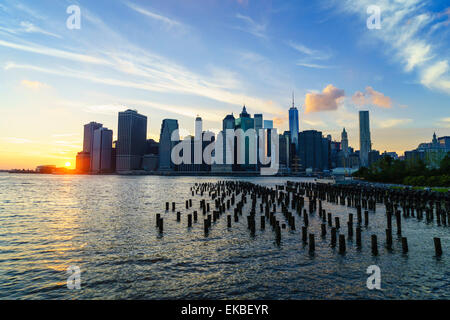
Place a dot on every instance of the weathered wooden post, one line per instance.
(389, 239)
(374, 245)
(195, 216)
(404, 245)
(304, 234)
(350, 229)
(158, 216)
(178, 216)
(167, 206)
(333, 237)
(312, 245)
(358, 237)
(324, 230)
(189, 220)
(173, 206)
(263, 223)
(437, 247)
(366, 218)
(229, 221)
(337, 223)
(341, 244)
(161, 225)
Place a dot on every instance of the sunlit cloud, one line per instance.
(36, 85)
(327, 100)
(371, 97)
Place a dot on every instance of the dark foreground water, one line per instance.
(105, 225)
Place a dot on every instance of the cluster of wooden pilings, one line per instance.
(303, 201)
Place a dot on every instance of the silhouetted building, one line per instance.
(88, 142)
(166, 144)
(365, 144)
(102, 151)
(152, 147)
(293, 124)
(131, 140)
(314, 150)
(245, 122)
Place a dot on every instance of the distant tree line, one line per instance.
(409, 172)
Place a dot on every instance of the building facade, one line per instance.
(166, 144)
(101, 159)
(131, 140)
(365, 144)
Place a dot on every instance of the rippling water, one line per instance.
(106, 226)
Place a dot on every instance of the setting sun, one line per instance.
(68, 164)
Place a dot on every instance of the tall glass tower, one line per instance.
(293, 124)
(365, 145)
(131, 140)
(166, 144)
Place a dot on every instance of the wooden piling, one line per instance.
(374, 245)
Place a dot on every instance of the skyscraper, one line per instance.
(131, 140)
(88, 138)
(245, 122)
(365, 144)
(293, 124)
(258, 122)
(88, 143)
(198, 128)
(166, 144)
(344, 143)
(314, 150)
(102, 151)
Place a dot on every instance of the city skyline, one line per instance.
(233, 53)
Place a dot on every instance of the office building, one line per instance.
(293, 124)
(314, 150)
(365, 144)
(102, 151)
(166, 143)
(131, 140)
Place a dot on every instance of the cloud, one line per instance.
(16, 140)
(35, 85)
(444, 122)
(157, 17)
(310, 53)
(31, 28)
(53, 52)
(325, 101)
(313, 65)
(370, 96)
(390, 123)
(252, 27)
(407, 31)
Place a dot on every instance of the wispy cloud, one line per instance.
(313, 65)
(405, 30)
(391, 123)
(36, 85)
(251, 26)
(31, 28)
(16, 140)
(155, 16)
(310, 57)
(53, 52)
(310, 53)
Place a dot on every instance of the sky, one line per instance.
(179, 59)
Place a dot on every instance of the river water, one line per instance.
(105, 225)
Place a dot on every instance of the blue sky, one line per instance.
(177, 59)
